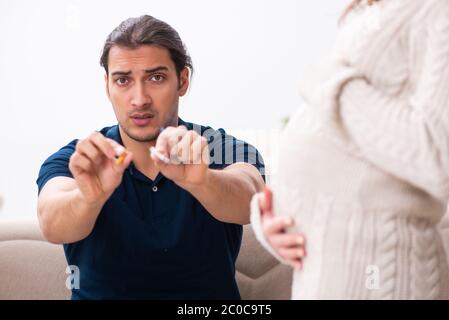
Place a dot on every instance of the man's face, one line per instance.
(144, 90)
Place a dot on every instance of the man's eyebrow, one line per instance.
(160, 68)
(127, 73)
(121, 73)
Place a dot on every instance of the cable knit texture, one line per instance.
(365, 165)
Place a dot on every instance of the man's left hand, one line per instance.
(188, 153)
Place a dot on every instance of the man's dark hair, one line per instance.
(147, 30)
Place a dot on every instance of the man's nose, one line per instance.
(141, 96)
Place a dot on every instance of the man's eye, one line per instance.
(121, 81)
(157, 78)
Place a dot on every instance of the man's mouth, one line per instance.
(142, 119)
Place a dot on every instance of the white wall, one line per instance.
(248, 57)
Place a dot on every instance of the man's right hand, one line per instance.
(94, 167)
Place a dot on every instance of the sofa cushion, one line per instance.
(260, 275)
(32, 269)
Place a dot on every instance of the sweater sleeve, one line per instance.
(408, 138)
(256, 224)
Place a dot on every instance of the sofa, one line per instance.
(32, 268)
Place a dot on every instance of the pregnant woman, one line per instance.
(364, 173)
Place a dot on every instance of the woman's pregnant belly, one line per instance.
(346, 208)
(313, 169)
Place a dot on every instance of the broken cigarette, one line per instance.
(161, 157)
(120, 159)
(120, 154)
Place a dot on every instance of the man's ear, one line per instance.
(184, 81)
(106, 80)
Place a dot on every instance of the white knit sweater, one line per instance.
(365, 168)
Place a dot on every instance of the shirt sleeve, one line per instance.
(57, 165)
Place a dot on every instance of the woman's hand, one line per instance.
(290, 246)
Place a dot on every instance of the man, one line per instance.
(138, 227)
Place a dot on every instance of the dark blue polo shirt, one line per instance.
(153, 239)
